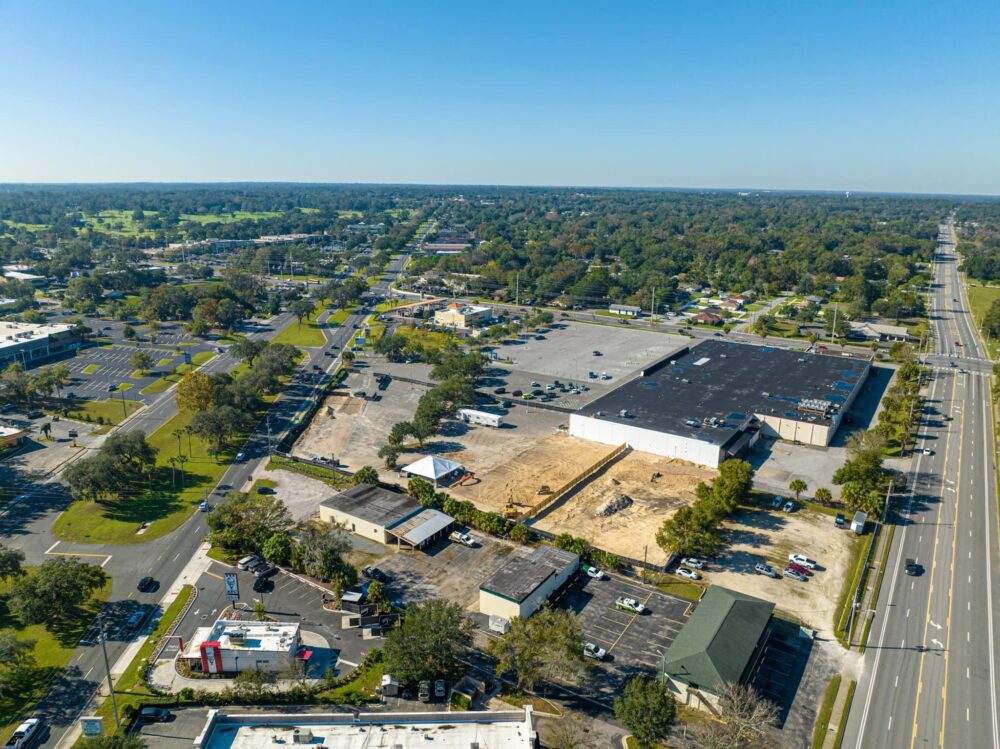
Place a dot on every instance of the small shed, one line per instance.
(627, 310)
(435, 469)
(858, 523)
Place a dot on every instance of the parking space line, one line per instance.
(212, 574)
(614, 632)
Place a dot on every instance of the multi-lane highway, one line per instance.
(930, 669)
(27, 524)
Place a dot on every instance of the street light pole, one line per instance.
(107, 669)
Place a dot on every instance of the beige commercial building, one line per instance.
(462, 316)
(526, 580)
(385, 516)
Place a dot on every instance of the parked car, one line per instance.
(800, 569)
(762, 569)
(424, 691)
(462, 538)
(146, 584)
(155, 714)
(629, 604)
(593, 572)
(802, 560)
(841, 521)
(266, 570)
(789, 506)
(261, 585)
(590, 650)
(500, 391)
(776, 502)
(247, 562)
(692, 562)
(73, 433)
(265, 490)
(517, 393)
(112, 387)
(440, 689)
(374, 573)
(689, 574)
(789, 572)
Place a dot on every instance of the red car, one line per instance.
(800, 569)
(516, 393)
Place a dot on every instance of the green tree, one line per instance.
(376, 596)
(824, 495)
(247, 349)
(11, 560)
(51, 595)
(195, 392)
(141, 361)
(389, 455)
(542, 647)
(688, 531)
(647, 709)
(115, 741)
(244, 522)
(429, 642)
(302, 309)
(421, 490)
(365, 475)
(798, 486)
(278, 548)
(17, 662)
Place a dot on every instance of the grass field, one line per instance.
(164, 362)
(165, 508)
(124, 386)
(980, 300)
(118, 223)
(90, 369)
(163, 383)
(228, 218)
(309, 333)
(110, 410)
(26, 227)
(52, 653)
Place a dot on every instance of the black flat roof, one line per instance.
(374, 504)
(730, 382)
(520, 575)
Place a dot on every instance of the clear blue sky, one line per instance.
(886, 95)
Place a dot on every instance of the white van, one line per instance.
(247, 562)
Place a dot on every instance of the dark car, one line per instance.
(146, 584)
(517, 393)
(266, 571)
(262, 585)
(500, 391)
(265, 490)
(155, 714)
(841, 521)
(912, 568)
(440, 689)
(374, 573)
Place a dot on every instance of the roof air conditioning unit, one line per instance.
(302, 736)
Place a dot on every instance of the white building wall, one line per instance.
(354, 525)
(806, 432)
(494, 605)
(234, 660)
(645, 440)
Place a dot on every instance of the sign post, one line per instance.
(232, 586)
(92, 726)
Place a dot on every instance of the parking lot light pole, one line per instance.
(107, 668)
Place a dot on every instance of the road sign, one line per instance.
(92, 726)
(187, 358)
(232, 586)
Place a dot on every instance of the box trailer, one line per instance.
(858, 523)
(470, 416)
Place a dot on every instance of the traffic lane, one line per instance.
(969, 689)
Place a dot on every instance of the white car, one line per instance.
(692, 562)
(689, 574)
(463, 538)
(629, 604)
(789, 506)
(595, 573)
(24, 734)
(928, 451)
(240, 456)
(802, 561)
(593, 651)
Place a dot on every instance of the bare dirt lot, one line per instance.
(758, 534)
(656, 486)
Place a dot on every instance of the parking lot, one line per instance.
(633, 641)
(287, 598)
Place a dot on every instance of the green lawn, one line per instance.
(825, 708)
(163, 383)
(164, 362)
(308, 333)
(682, 589)
(226, 218)
(90, 369)
(52, 653)
(340, 316)
(110, 410)
(165, 508)
(123, 387)
(117, 223)
(980, 299)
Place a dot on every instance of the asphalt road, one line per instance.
(929, 672)
(27, 524)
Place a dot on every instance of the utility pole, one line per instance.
(517, 288)
(652, 307)
(107, 669)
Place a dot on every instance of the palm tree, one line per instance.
(259, 611)
(173, 471)
(177, 433)
(181, 460)
(824, 495)
(188, 430)
(798, 486)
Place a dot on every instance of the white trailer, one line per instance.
(471, 416)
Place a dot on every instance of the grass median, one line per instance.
(822, 723)
(52, 651)
(110, 411)
(304, 333)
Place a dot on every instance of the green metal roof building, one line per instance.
(720, 643)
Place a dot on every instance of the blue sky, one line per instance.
(886, 95)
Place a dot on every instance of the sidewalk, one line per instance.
(836, 714)
(866, 609)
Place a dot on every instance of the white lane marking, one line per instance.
(907, 613)
(896, 684)
(987, 428)
(49, 550)
(88, 673)
(890, 723)
(106, 561)
(936, 626)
